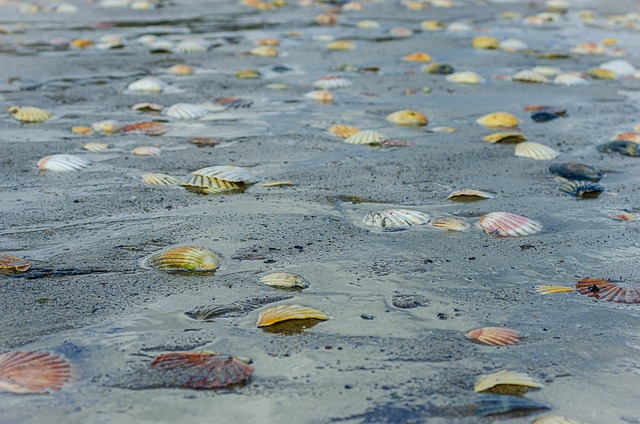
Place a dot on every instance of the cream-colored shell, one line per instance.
(620, 67)
(187, 258)
(331, 82)
(63, 163)
(537, 151)
(468, 77)
(569, 80)
(395, 218)
(322, 96)
(486, 382)
(554, 419)
(505, 137)
(96, 146)
(147, 85)
(468, 193)
(230, 173)
(512, 45)
(451, 224)
(499, 120)
(366, 137)
(284, 280)
(29, 114)
(186, 111)
(146, 151)
(288, 312)
(155, 178)
(530, 76)
(547, 71)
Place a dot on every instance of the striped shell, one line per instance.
(495, 336)
(284, 280)
(203, 370)
(147, 85)
(530, 76)
(230, 173)
(63, 163)
(612, 291)
(321, 96)
(467, 195)
(499, 120)
(96, 146)
(620, 67)
(451, 224)
(505, 137)
(505, 224)
(288, 312)
(186, 111)
(546, 289)
(554, 419)
(155, 178)
(232, 102)
(407, 117)
(343, 131)
(536, 151)
(29, 114)
(108, 126)
(32, 372)
(569, 80)
(468, 77)
(12, 264)
(208, 185)
(185, 258)
(146, 151)
(331, 82)
(417, 57)
(576, 171)
(506, 383)
(366, 137)
(150, 128)
(583, 189)
(395, 218)
(342, 45)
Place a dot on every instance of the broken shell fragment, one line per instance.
(391, 219)
(468, 195)
(536, 151)
(369, 137)
(10, 264)
(203, 370)
(611, 291)
(468, 77)
(408, 117)
(495, 336)
(32, 372)
(505, 224)
(82, 130)
(576, 171)
(29, 114)
(289, 312)
(63, 163)
(155, 178)
(147, 107)
(506, 383)
(546, 289)
(248, 74)
(185, 258)
(505, 137)
(601, 74)
(343, 131)
(583, 189)
(451, 224)
(285, 280)
(499, 120)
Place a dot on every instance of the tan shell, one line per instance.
(546, 289)
(417, 57)
(469, 195)
(467, 77)
(451, 224)
(279, 184)
(210, 185)
(485, 42)
(29, 114)
(155, 178)
(408, 117)
(505, 137)
(264, 51)
(181, 69)
(366, 137)
(395, 218)
(536, 151)
(499, 120)
(342, 45)
(185, 258)
(96, 146)
(13, 264)
(321, 96)
(506, 383)
(495, 336)
(343, 131)
(288, 312)
(146, 151)
(505, 224)
(82, 130)
(530, 76)
(284, 280)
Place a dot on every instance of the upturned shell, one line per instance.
(554, 419)
(186, 111)
(530, 76)
(342, 45)
(155, 178)
(485, 42)
(583, 189)
(331, 82)
(147, 85)
(569, 80)
(343, 131)
(499, 120)
(546, 289)
(611, 291)
(321, 96)
(149, 128)
(438, 68)
(29, 114)
(146, 151)
(495, 336)
(507, 224)
(203, 370)
(417, 57)
(32, 372)
(576, 171)
(501, 404)
(230, 173)
(451, 224)
(537, 151)
(96, 146)
(468, 77)
(468, 195)
(288, 312)
(185, 258)
(408, 117)
(395, 218)
(63, 163)
(366, 137)
(506, 383)
(208, 185)
(505, 137)
(626, 148)
(10, 264)
(284, 280)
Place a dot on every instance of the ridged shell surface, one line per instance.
(150, 128)
(495, 336)
(288, 312)
(583, 189)
(32, 372)
(284, 280)
(155, 178)
(185, 258)
(451, 224)
(499, 120)
(331, 82)
(507, 224)
(536, 151)
(620, 67)
(146, 151)
(395, 218)
(469, 195)
(343, 131)
(490, 382)
(569, 80)
(63, 163)
(530, 77)
(230, 173)
(96, 146)
(322, 96)
(191, 46)
(611, 291)
(209, 185)
(207, 312)
(576, 171)
(549, 289)
(505, 137)
(29, 114)
(408, 117)
(366, 137)
(186, 111)
(108, 126)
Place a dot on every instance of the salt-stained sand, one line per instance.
(404, 309)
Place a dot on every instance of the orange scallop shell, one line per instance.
(612, 291)
(288, 312)
(343, 131)
(12, 263)
(32, 372)
(495, 336)
(146, 128)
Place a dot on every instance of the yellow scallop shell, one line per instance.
(343, 131)
(342, 45)
(211, 185)
(96, 146)
(288, 312)
(505, 137)
(499, 120)
(82, 130)
(264, 51)
(546, 289)
(186, 258)
(506, 383)
(284, 280)
(537, 151)
(485, 42)
(468, 194)
(155, 178)
(29, 114)
(408, 117)
(601, 74)
(451, 224)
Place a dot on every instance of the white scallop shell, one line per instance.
(96, 146)
(468, 77)
(155, 178)
(366, 137)
(395, 218)
(547, 71)
(569, 80)
(331, 82)
(147, 85)
(529, 149)
(191, 46)
(284, 280)
(513, 44)
(63, 163)
(451, 224)
(620, 67)
(234, 174)
(530, 76)
(146, 151)
(507, 224)
(186, 111)
(459, 27)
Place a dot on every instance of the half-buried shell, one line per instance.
(569, 80)
(32, 372)
(506, 383)
(612, 291)
(438, 68)
(63, 163)
(147, 85)
(208, 185)
(507, 224)
(495, 336)
(499, 120)
(408, 117)
(369, 137)
(451, 224)
(331, 82)
(289, 312)
(284, 280)
(468, 195)
(96, 146)
(576, 171)
(343, 131)
(505, 137)
(150, 128)
(230, 173)
(10, 264)
(155, 178)
(530, 77)
(29, 114)
(342, 45)
(146, 151)
(185, 258)
(468, 77)
(626, 148)
(536, 151)
(207, 312)
(391, 219)
(186, 111)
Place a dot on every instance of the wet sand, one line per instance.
(87, 297)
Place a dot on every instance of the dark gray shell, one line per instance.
(501, 404)
(206, 312)
(626, 148)
(583, 189)
(576, 171)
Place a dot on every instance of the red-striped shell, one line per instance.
(32, 372)
(146, 128)
(203, 370)
(495, 336)
(612, 291)
(507, 224)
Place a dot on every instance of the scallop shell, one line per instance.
(230, 173)
(626, 148)
(288, 312)
(469, 195)
(13, 264)
(264, 51)
(468, 77)
(620, 67)
(569, 80)
(368, 24)
(576, 171)
(32, 372)
(248, 74)
(507, 224)
(96, 146)
(185, 258)
(321, 96)
(530, 76)
(583, 189)
(433, 25)
(459, 27)
(155, 178)
(63, 163)
(203, 370)
(147, 85)
(82, 130)
(547, 71)
(505, 137)
(400, 32)
(417, 57)
(485, 42)
(601, 74)
(209, 185)
(500, 404)
(284, 280)
(331, 82)
(537, 151)
(147, 107)
(146, 151)
(342, 45)
(366, 137)
(206, 312)
(395, 218)
(546, 289)
(186, 111)
(499, 120)
(108, 126)
(181, 69)
(408, 118)
(191, 46)
(506, 383)
(451, 224)
(29, 114)
(149, 128)
(343, 131)
(438, 68)
(495, 336)
(612, 291)
(513, 45)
